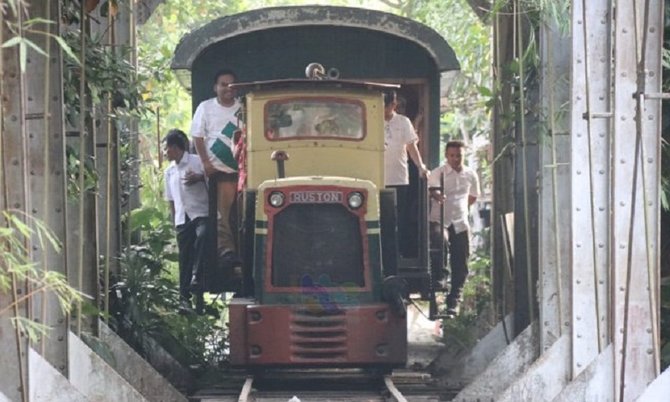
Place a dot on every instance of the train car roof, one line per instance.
(192, 44)
(302, 83)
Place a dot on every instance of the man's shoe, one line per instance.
(185, 307)
(453, 311)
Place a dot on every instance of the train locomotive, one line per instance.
(325, 270)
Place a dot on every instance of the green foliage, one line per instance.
(19, 30)
(145, 301)
(72, 167)
(467, 116)
(145, 297)
(107, 74)
(18, 234)
(464, 328)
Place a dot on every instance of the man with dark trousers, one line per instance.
(215, 122)
(186, 190)
(461, 189)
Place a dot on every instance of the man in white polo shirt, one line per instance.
(400, 140)
(461, 189)
(186, 190)
(215, 122)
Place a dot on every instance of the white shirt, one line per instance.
(217, 124)
(398, 132)
(188, 199)
(458, 186)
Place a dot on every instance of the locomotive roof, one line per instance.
(302, 83)
(192, 44)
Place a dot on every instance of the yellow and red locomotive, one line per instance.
(323, 270)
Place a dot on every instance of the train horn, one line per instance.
(315, 71)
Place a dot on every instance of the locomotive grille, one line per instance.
(317, 245)
(318, 336)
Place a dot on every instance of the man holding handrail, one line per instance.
(460, 190)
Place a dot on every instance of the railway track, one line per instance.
(328, 386)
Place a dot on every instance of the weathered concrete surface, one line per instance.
(48, 384)
(659, 390)
(595, 383)
(168, 366)
(423, 341)
(458, 371)
(94, 378)
(511, 363)
(3, 398)
(545, 378)
(137, 371)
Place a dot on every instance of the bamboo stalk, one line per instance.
(82, 158)
(110, 146)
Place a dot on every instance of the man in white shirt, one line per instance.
(215, 122)
(461, 189)
(186, 190)
(400, 139)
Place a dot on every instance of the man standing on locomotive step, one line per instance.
(461, 189)
(214, 124)
(400, 139)
(186, 190)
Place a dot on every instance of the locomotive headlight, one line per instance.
(276, 199)
(355, 200)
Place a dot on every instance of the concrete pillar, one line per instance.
(554, 209)
(638, 39)
(47, 174)
(590, 178)
(15, 195)
(82, 212)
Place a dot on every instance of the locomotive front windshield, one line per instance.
(317, 117)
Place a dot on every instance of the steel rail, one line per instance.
(390, 386)
(246, 389)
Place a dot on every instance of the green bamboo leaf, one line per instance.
(66, 48)
(36, 48)
(32, 329)
(19, 225)
(12, 42)
(37, 20)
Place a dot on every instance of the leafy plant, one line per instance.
(72, 167)
(17, 236)
(145, 297)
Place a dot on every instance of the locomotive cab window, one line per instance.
(314, 118)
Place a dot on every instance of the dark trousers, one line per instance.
(402, 216)
(457, 246)
(191, 239)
